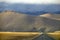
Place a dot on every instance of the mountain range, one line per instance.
(32, 9)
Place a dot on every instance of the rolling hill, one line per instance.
(13, 21)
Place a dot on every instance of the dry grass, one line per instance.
(25, 35)
(55, 35)
(18, 35)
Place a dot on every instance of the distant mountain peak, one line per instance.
(8, 11)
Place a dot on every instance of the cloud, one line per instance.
(33, 1)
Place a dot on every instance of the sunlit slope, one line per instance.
(19, 35)
(27, 35)
(51, 16)
(55, 35)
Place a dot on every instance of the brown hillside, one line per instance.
(12, 21)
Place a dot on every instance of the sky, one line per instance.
(33, 1)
